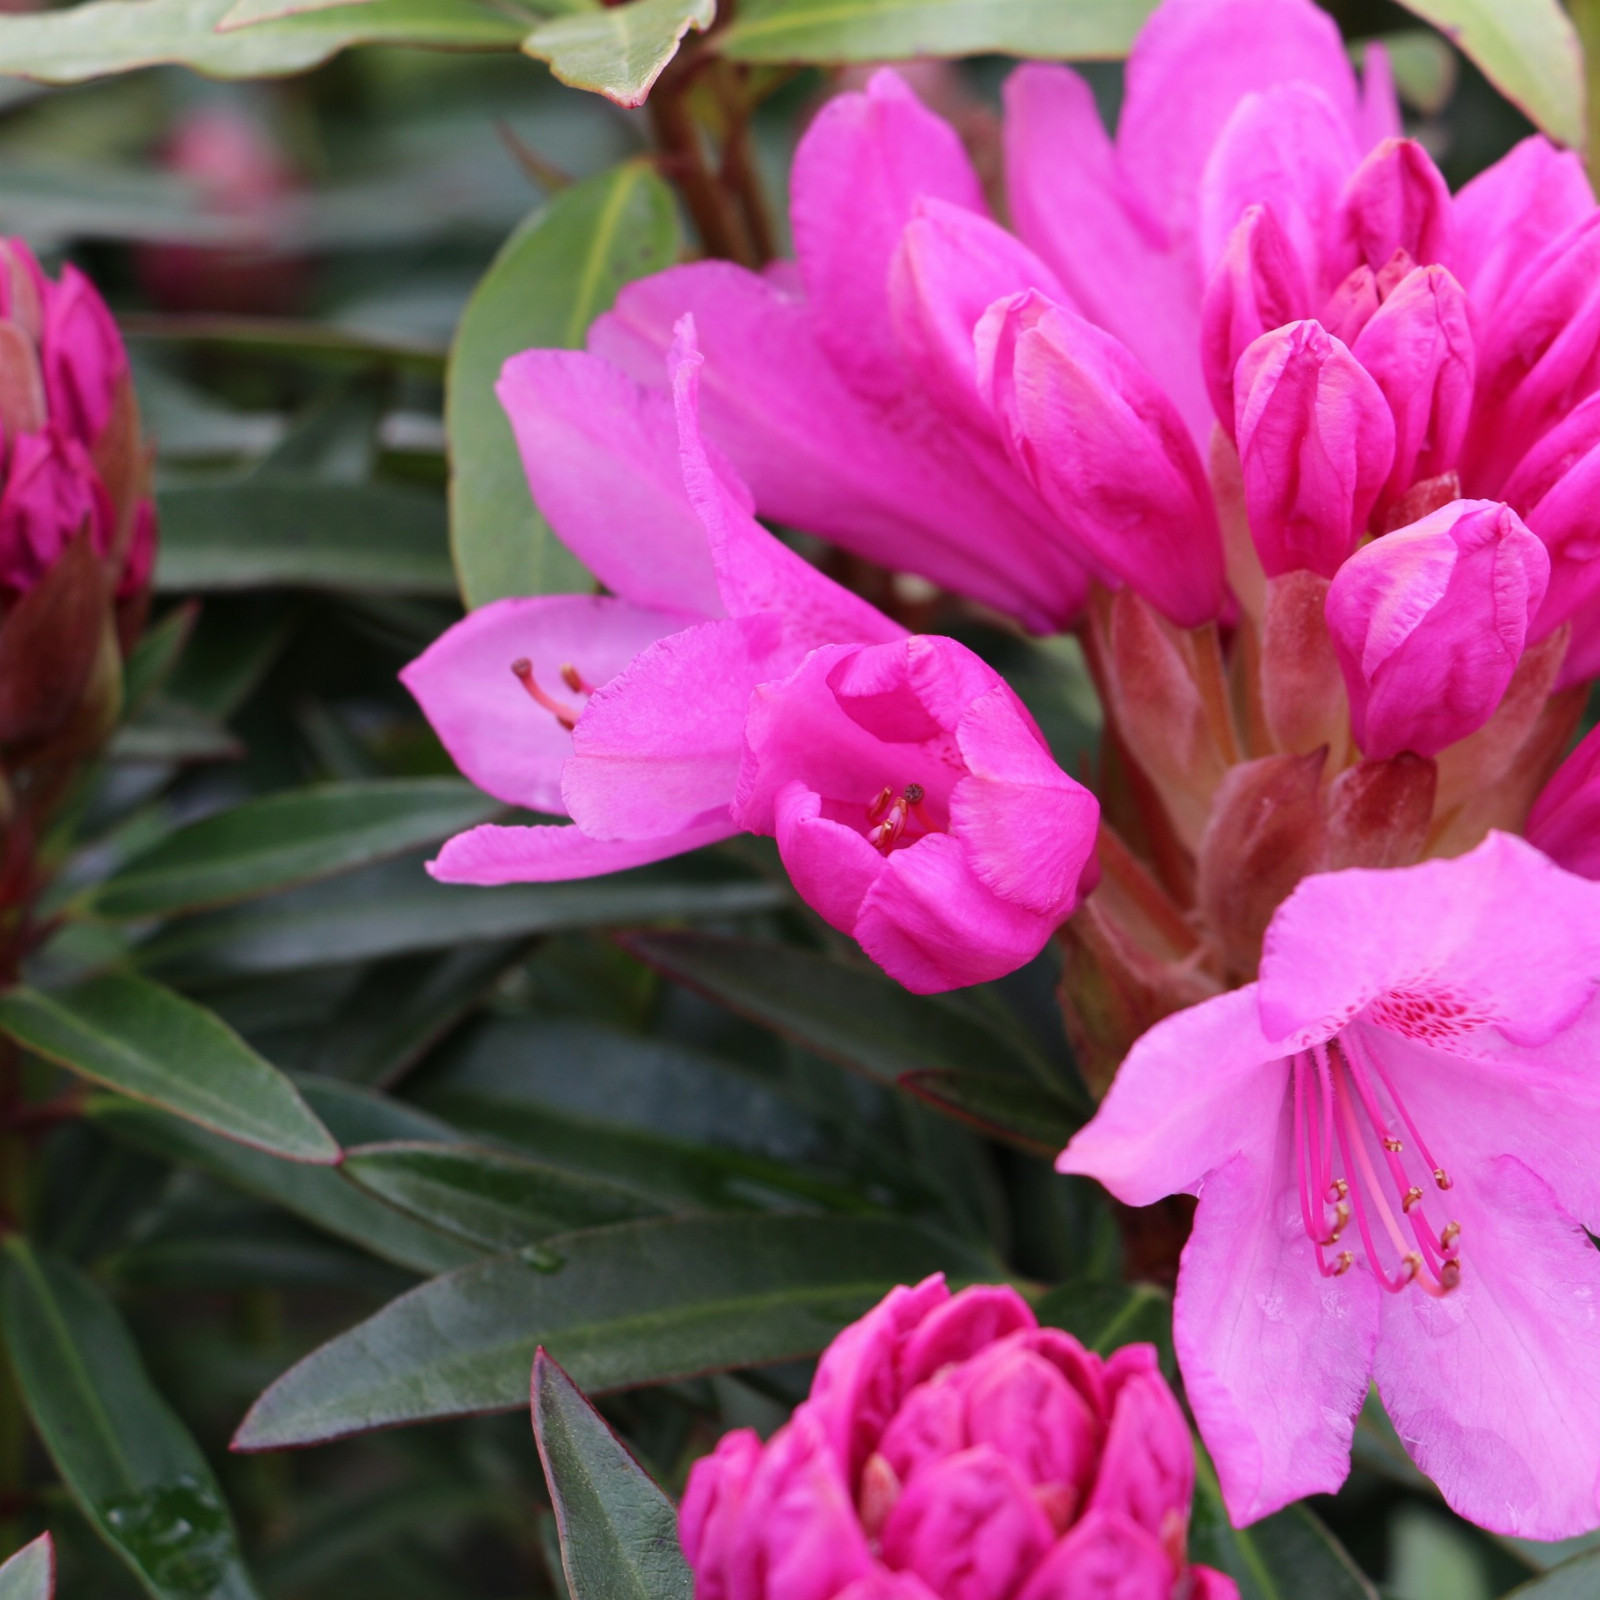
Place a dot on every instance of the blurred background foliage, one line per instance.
(663, 1123)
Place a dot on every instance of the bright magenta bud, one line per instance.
(1316, 441)
(1565, 820)
(1396, 201)
(1106, 449)
(952, 1449)
(1430, 622)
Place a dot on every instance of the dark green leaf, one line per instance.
(902, 30)
(1287, 1556)
(129, 1462)
(287, 839)
(642, 1302)
(31, 1573)
(498, 1202)
(395, 908)
(107, 36)
(282, 532)
(1014, 1109)
(315, 342)
(851, 1014)
(151, 1044)
(551, 279)
(1103, 1315)
(170, 732)
(619, 1532)
(618, 52)
(154, 658)
(319, 1195)
(1573, 1580)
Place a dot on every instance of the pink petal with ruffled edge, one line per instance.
(490, 855)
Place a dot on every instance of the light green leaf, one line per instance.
(642, 1302)
(317, 343)
(1573, 1580)
(103, 37)
(127, 1460)
(287, 839)
(618, 52)
(283, 532)
(1528, 49)
(31, 1573)
(619, 1532)
(551, 279)
(900, 30)
(496, 1201)
(155, 1046)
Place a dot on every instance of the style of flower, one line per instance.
(1387, 1135)
(952, 1449)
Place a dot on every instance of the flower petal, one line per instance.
(490, 854)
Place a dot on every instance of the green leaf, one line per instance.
(1572, 1580)
(1012, 1109)
(102, 37)
(1287, 1556)
(618, 52)
(155, 657)
(128, 1461)
(619, 1532)
(318, 1195)
(168, 732)
(496, 1201)
(155, 1046)
(287, 839)
(854, 1015)
(317, 343)
(395, 908)
(283, 532)
(900, 30)
(1102, 1315)
(31, 1573)
(642, 1302)
(551, 279)
(1528, 49)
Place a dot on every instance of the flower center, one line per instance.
(522, 670)
(1345, 1104)
(891, 815)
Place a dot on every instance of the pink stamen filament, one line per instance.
(522, 670)
(890, 814)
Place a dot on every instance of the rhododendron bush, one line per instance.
(827, 769)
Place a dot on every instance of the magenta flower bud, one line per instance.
(917, 808)
(1418, 348)
(1565, 820)
(1259, 284)
(1316, 442)
(1107, 451)
(1429, 623)
(84, 362)
(952, 1449)
(1396, 200)
(51, 494)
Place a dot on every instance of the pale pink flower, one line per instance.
(1390, 1135)
(952, 1449)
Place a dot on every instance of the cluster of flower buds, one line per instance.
(952, 1449)
(77, 539)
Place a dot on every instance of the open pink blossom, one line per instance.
(952, 1449)
(917, 807)
(1390, 1134)
(623, 711)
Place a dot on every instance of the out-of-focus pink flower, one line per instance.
(952, 1449)
(1430, 621)
(1316, 440)
(1091, 430)
(1391, 1143)
(1565, 820)
(917, 807)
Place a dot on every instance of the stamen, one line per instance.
(875, 812)
(888, 832)
(522, 669)
(575, 680)
(1413, 1196)
(913, 793)
(1449, 1234)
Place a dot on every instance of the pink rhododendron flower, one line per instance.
(1565, 820)
(1388, 1133)
(952, 1449)
(917, 807)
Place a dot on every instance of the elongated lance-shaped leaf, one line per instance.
(128, 1461)
(551, 279)
(31, 1573)
(102, 37)
(619, 1532)
(641, 1302)
(1013, 1109)
(287, 839)
(901, 30)
(619, 52)
(153, 1045)
(1578, 1579)
(1103, 1315)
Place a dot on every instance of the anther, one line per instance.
(1450, 1274)
(1338, 1189)
(1442, 1178)
(1448, 1234)
(1410, 1266)
(575, 680)
(1343, 1264)
(875, 812)
(522, 670)
(1392, 1145)
(1413, 1197)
